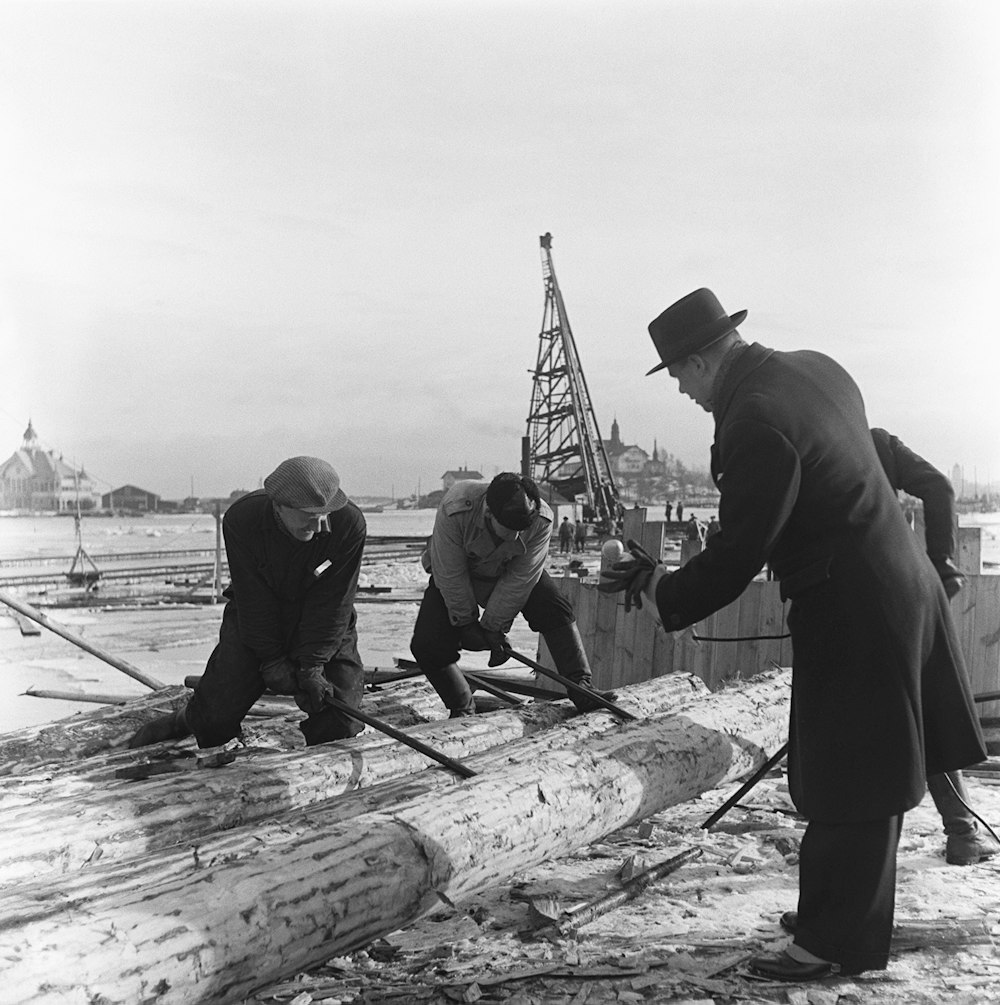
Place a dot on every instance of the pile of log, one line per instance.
(204, 885)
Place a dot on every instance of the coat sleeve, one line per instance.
(328, 605)
(759, 484)
(520, 577)
(450, 568)
(258, 606)
(917, 477)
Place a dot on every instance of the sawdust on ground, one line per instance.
(687, 938)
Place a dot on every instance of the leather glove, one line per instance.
(279, 675)
(499, 647)
(313, 689)
(473, 637)
(951, 579)
(630, 575)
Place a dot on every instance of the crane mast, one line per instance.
(564, 445)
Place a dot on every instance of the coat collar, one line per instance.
(745, 364)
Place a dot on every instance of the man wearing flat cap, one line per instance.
(488, 550)
(294, 551)
(880, 693)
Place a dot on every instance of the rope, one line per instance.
(741, 638)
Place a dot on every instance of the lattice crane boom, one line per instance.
(565, 447)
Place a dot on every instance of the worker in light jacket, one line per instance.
(880, 693)
(965, 843)
(294, 552)
(486, 558)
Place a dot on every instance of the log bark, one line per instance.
(65, 823)
(249, 907)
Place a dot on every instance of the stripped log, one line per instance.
(63, 744)
(60, 824)
(247, 908)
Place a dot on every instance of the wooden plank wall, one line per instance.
(628, 648)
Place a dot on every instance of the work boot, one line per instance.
(966, 844)
(164, 727)
(453, 689)
(570, 659)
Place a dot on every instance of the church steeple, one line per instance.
(615, 434)
(30, 438)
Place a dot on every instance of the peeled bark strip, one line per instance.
(61, 824)
(250, 907)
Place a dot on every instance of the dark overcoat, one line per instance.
(880, 693)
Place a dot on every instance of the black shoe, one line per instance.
(783, 968)
(789, 921)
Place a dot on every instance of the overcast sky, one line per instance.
(234, 232)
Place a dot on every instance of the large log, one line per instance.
(69, 744)
(61, 823)
(252, 906)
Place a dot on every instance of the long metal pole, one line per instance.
(571, 685)
(746, 786)
(396, 734)
(102, 654)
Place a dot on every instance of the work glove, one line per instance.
(313, 689)
(279, 675)
(499, 647)
(473, 637)
(629, 575)
(951, 578)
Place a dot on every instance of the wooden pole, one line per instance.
(102, 654)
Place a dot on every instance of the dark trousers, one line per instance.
(847, 892)
(232, 682)
(435, 639)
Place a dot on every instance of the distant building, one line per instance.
(132, 499)
(36, 480)
(625, 459)
(462, 474)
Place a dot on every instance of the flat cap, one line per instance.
(305, 483)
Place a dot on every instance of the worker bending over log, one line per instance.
(294, 551)
(880, 693)
(488, 550)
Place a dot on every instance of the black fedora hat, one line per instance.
(691, 324)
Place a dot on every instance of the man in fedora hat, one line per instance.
(294, 552)
(488, 551)
(880, 694)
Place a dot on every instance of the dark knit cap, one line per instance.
(693, 323)
(510, 499)
(305, 483)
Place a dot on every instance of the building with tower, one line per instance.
(36, 480)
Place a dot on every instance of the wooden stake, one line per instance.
(102, 654)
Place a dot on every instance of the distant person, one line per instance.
(668, 509)
(680, 511)
(294, 551)
(910, 473)
(580, 536)
(566, 530)
(693, 529)
(488, 551)
(880, 692)
(713, 527)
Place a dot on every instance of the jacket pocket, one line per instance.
(796, 583)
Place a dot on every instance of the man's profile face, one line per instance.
(300, 523)
(693, 379)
